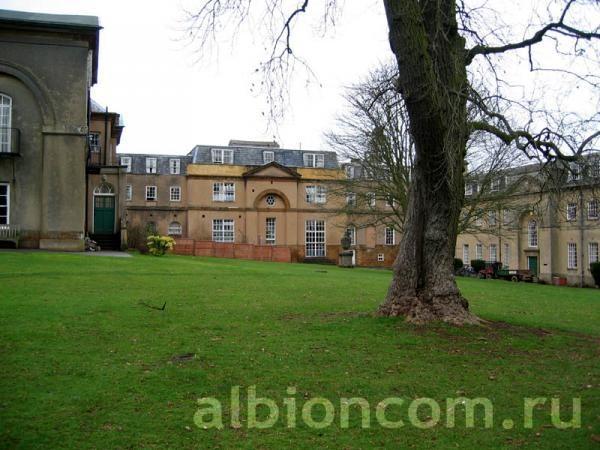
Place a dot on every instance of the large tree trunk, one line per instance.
(432, 81)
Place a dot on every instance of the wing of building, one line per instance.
(47, 65)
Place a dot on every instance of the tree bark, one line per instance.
(432, 80)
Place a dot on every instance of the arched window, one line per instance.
(104, 189)
(532, 233)
(5, 123)
(175, 229)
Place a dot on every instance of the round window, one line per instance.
(270, 200)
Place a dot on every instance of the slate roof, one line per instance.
(138, 162)
(98, 108)
(253, 156)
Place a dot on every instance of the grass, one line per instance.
(86, 365)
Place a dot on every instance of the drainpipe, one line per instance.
(105, 134)
(87, 162)
(581, 225)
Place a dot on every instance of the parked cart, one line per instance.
(515, 275)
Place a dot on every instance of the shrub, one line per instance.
(478, 264)
(595, 269)
(458, 264)
(158, 245)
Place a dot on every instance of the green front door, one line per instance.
(104, 214)
(532, 264)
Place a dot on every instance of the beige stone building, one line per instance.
(47, 65)
(248, 193)
(551, 227)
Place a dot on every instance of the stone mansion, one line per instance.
(61, 178)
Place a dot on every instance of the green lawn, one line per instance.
(86, 365)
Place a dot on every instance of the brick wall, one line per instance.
(229, 250)
(365, 256)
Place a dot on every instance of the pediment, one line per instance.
(272, 170)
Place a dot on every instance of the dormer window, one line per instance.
(314, 160)
(222, 156)
(151, 165)
(574, 172)
(175, 166)
(268, 157)
(126, 161)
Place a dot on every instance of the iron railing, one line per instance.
(10, 141)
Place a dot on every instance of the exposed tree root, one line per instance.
(422, 309)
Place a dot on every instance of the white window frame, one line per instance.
(315, 238)
(175, 229)
(493, 249)
(222, 156)
(316, 160)
(380, 257)
(351, 199)
(224, 191)
(175, 166)
(372, 199)
(389, 236)
(574, 172)
(352, 233)
(350, 171)
(126, 161)
(151, 165)
(593, 207)
(316, 194)
(175, 193)
(532, 234)
(5, 220)
(94, 141)
(571, 255)
(593, 252)
(128, 192)
(469, 189)
(6, 123)
(223, 230)
(506, 255)
(271, 230)
(150, 198)
(479, 251)
(268, 156)
(492, 218)
(465, 254)
(495, 185)
(571, 211)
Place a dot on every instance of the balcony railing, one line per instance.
(10, 141)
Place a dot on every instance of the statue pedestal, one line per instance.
(346, 258)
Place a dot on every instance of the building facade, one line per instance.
(550, 225)
(247, 193)
(255, 193)
(47, 65)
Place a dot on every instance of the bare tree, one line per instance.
(439, 48)
(372, 134)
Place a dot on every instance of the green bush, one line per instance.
(158, 245)
(458, 264)
(478, 264)
(595, 269)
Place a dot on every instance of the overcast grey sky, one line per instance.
(170, 103)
